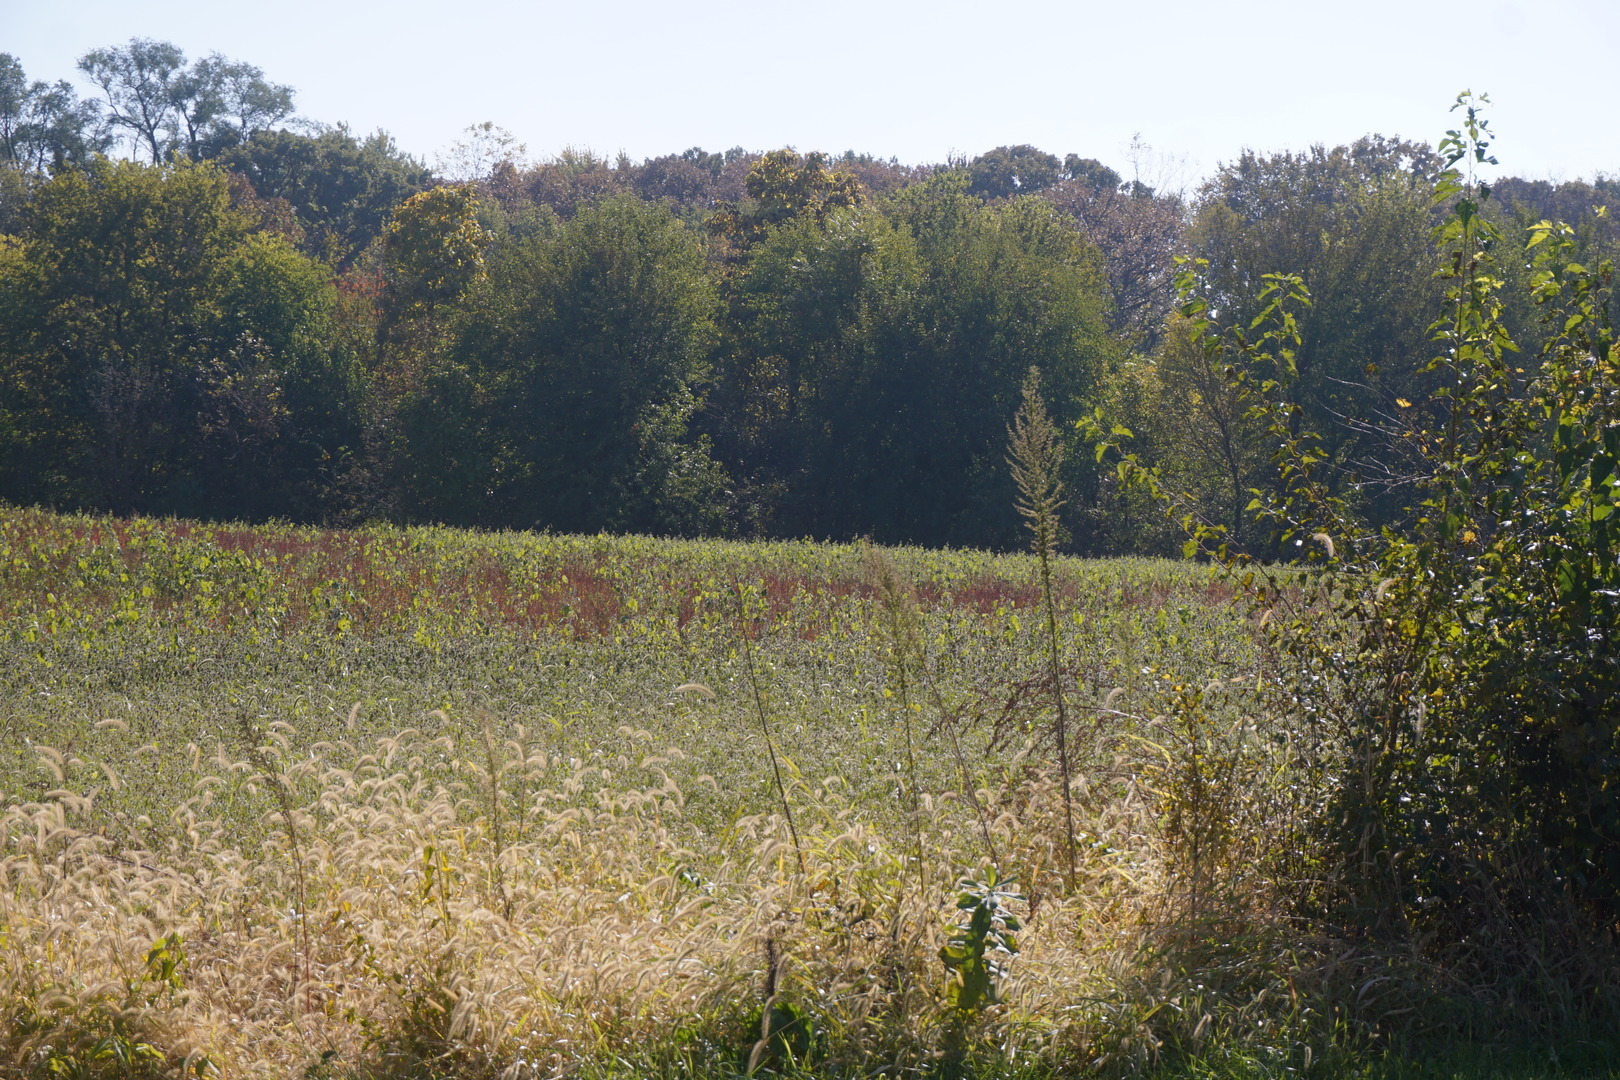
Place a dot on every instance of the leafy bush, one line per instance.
(1453, 685)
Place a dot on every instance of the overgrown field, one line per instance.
(181, 633)
(430, 803)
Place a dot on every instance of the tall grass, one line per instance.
(610, 931)
(746, 637)
(613, 888)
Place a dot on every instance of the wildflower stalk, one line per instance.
(1036, 454)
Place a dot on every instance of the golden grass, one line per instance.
(621, 936)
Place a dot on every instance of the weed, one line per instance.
(1036, 455)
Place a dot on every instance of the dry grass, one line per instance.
(592, 931)
(198, 889)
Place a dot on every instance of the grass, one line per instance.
(178, 630)
(427, 803)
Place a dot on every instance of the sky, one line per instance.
(1188, 85)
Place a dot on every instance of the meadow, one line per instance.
(433, 803)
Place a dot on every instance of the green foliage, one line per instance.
(1186, 417)
(433, 249)
(879, 356)
(979, 949)
(44, 126)
(171, 109)
(163, 962)
(1457, 677)
(1352, 223)
(1036, 455)
(423, 426)
(158, 356)
(783, 186)
(1019, 170)
(343, 189)
(584, 355)
(108, 1034)
(817, 308)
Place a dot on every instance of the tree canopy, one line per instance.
(159, 356)
(258, 315)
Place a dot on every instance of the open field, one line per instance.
(429, 803)
(181, 632)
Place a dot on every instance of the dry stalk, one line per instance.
(270, 770)
(1036, 455)
(764, 721)
(494, 765)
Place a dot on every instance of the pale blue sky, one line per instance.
(1198, 81)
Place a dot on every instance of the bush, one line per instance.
(1453, 684)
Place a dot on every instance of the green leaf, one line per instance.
(1566, 578)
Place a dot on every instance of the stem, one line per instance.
(764, 724)
(1044, 546)
(271, 772)
(495, 767)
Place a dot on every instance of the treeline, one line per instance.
(254, 318)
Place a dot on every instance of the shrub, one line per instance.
(1453, 685)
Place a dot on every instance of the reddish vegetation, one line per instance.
(371, 582)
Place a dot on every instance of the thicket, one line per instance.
(1449, 686)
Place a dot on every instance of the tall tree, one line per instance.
(234, 102)
(584, 352)
(1005, 287)
(1013, 170)
(168, 107)
(1352, 222)
(573, 180)
(155, 356)
(433, 249)
(342, 188)
(818, 308)
(781, 186)
(432, 254)
(137, 82)
(880, 356)
(1140, 234)
(44, 126)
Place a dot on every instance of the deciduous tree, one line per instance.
(583, 354)
(168, 107)
(1352, 223)
(155, 356)
(342, 188)
(44, 126)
